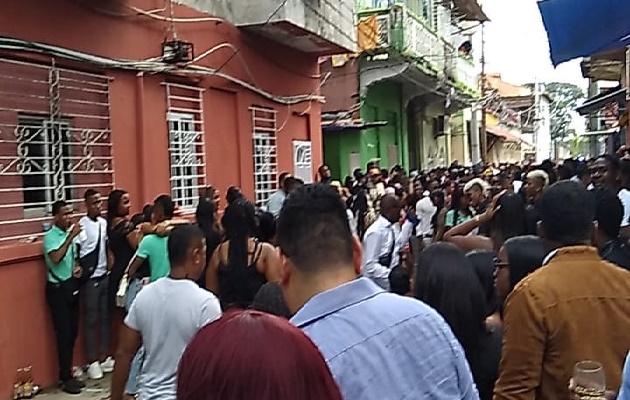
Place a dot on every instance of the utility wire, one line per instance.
(266, 22)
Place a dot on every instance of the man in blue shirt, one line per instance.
(275, 201)
(378, 345)
(624, 391)
(61, 289)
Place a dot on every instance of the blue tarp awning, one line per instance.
(582, 28)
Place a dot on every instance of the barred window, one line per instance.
(265, 153)
(37, 136)
(55, 142)
(186, 144)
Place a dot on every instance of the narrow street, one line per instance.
(96, 390)
(315, 199)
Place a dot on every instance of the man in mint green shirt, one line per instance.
(61, 292)
(153, 248)
(60, 252)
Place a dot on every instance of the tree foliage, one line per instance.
(564, 100)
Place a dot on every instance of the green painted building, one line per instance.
(383, 137)
(408, 75)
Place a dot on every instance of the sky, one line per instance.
(517, 47)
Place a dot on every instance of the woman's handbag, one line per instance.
(122, 290)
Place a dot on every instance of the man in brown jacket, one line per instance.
(576, 307)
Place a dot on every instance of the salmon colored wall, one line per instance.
(221, 127)
(139, 134)
(342, 86)
(122, 96)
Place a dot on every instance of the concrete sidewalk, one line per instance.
(95, 390)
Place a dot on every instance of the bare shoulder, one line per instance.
(267, 248)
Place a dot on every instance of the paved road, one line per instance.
(96, 390)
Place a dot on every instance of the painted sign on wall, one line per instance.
(302, 161)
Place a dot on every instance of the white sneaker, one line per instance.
(108, 365)
(95, 371)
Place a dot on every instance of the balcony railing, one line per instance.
(408, 34)
(383, 28)
(466, 73)
(421, 43)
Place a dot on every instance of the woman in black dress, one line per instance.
(122, 236)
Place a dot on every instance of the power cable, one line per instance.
(173, 32)
(7, 43)
(265, 23)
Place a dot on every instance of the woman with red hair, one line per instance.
(253, 355)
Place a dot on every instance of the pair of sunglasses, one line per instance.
(500, 264)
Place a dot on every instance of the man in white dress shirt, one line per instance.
(425, 209)
(384, 240)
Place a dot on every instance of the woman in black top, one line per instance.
(122, 237)
(519, 257)
(205, 215)
(242, 264)
(483, 262)
(446, 281)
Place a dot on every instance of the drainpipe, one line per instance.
(140, 136)
(447, 140)
(475, 152)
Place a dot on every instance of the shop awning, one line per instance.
(470, 10)
(596, 103)
(581, 28)
(347, 125)
(503, 133)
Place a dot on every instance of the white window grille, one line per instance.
(186, 144)
(37, 139)
(302, 160)
(265, 153)
(55, 143)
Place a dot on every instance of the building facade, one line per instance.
(150, 99)
(517, 122)
(414, 70)
(606, 113)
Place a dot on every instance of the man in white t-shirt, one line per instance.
(92, 243)
(164, 317)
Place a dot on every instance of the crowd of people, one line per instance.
(484, 282)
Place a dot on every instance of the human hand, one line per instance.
(145, 228)
(622, 151)
(75, 230)
(493, 208)
(608, 395)
(161, 228)
(77, 272)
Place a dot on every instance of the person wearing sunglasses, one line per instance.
(518, 257)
